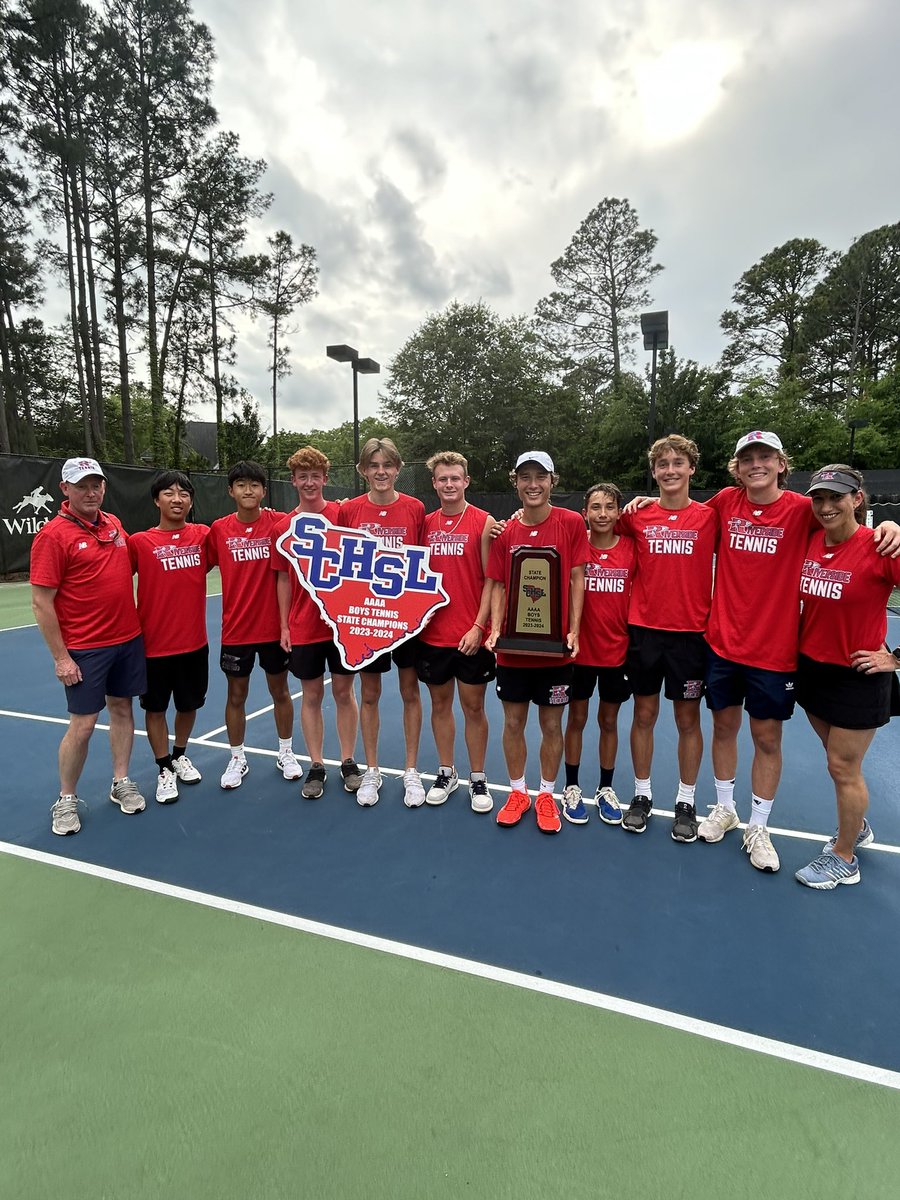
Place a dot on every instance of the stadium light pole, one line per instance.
(359, 366)
(655, 328)
(856, 423)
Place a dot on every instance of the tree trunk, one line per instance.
(118, 283)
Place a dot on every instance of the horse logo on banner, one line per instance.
(372, 598)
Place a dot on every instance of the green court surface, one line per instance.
(157, 1048)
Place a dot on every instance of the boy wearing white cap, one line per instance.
(546, 681)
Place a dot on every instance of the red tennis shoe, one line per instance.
(547, 813)
(514, 809)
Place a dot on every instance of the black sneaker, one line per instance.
(314, 783)
(638, 814)
(351, 775)
(684, 827)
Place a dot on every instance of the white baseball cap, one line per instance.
(535, 456)
(759, 437)
(76, 469)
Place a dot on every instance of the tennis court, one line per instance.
(251, 995)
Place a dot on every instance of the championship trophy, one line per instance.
(533, 622)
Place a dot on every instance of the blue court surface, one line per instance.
(691, 931)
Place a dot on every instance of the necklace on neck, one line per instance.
(458, 519)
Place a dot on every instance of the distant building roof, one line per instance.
(200, 436)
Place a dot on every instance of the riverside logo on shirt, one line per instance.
(177, 558)
(390, 536)
(816, 580)
(598, 578)
(245, 549)
(447, 543)
(663, 539)
(756, 539)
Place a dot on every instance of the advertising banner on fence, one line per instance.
(372, 598)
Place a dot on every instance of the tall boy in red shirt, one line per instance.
(310, 642)
(242, 545)
(396, 520)
(675, 539)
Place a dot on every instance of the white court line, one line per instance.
(798, 834)
(801, 1055)
(260, 712)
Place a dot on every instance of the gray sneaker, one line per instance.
(314, 783)
(65, 815)
(124, 793)
(351, 775)
(865, 837)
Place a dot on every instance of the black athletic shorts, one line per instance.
(440, 664)
(310, 661)
(406, 655)
(671, 655)
(183, 678)
(612, 684)
(545, 686)
(843, 697)
(239, 660)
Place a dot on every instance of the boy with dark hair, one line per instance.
(241, 546)
(171, 566)
(396, 520)
(675, 538)
(520, 680)
(310, 642)
(451, 653)
(602, 647)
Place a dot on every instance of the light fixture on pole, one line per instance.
(359, 366)
(856, 423)
(655, 328)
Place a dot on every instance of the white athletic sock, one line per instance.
(518, 785)
(237, 751)
(475, 775)
(725, 793)
(447, 770)
(686, 793)
(759, 810)
(548, 785)
(642, 788)
(285, 744)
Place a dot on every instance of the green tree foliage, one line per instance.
(469, 381)
(770, 301)
(243, 434)
(602, 282)
(288, 279)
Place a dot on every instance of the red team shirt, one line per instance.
(305, 623)
(455, 545)
(563, 529)
(608, 576)
(755, 617)
(88, 565)
(171, 567)
(845, 591)
(675, 548)
(401, 523)
(243, 554)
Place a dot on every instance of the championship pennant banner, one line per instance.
(372, 598)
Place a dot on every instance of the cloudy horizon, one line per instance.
(439, 153)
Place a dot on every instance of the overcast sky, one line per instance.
(433, 151)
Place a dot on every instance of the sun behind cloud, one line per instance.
(677, 89)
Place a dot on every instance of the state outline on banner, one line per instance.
(376, 586)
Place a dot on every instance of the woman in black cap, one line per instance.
(845, 690)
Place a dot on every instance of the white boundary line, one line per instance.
(800, 1055)
(204, 740)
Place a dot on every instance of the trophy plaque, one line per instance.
(533, 623)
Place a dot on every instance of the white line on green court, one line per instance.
(798, 834)
(802, 1055)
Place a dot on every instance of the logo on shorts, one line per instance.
(693, 689)
(559, 693)
(373, 597)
